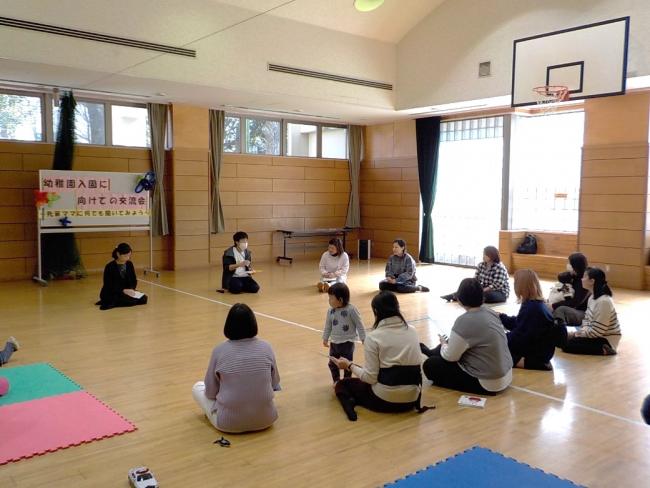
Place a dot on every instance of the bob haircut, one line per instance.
(579, 263)
(240, 323)
(336, 242)
(385, 305)
(527, 286)
(341, 292)
(492, 253)
(470, 293)
(238, 236)
(122, 248)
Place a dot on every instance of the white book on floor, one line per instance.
(137, 294)
(472, 401)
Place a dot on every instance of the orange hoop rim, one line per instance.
(552, 93)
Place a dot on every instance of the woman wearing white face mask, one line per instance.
(334, 265)
(237, 267)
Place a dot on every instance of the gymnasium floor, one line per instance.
(580, 422)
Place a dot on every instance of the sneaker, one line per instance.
(326, 286)
(423, 288)
(12, 340)
(559, 333)
(320, 286)
(608, 350)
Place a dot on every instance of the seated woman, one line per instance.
(532, 335)
(120, 282)
(391, 379)
(475, 358)
(493, 277)
(237, 394)
(400, 271)
(334, 265)
(572, 310)
(600, 331)
(238, 267)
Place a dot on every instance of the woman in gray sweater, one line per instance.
(237, 394)
(400, 271)
(475, 358)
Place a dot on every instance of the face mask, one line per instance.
(569, 268)
(243, 245)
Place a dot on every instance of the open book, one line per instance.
(137, 294)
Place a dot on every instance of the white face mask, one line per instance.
(569, 268)
(243, 245)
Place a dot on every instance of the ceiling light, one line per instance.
(367, 5)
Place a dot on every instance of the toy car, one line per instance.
(142, 478)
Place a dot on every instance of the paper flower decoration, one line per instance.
(65, 221)
(42, 198)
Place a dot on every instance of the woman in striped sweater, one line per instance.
(237, 394)
(600, 331)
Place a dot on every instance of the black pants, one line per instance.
(449, 375)
(397, 287)
(246, 285)
(342, 350)
(585, 345)
(122, 300)
(488, 296)
(494, 296)
(353, 391)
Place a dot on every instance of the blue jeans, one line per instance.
(6, 353)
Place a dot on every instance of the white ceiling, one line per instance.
(234, 40)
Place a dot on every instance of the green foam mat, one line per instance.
(34, 381)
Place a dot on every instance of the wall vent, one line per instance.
(328, 76)
(94, 36)
(484, 69)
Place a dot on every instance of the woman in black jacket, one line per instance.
(572, 310)
(120, 281)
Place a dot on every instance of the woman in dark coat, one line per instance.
(572, 310)
(120, 281)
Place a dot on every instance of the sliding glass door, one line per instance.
(467, 210)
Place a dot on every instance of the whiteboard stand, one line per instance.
(74, 230)
(150, 268)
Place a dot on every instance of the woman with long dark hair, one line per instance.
(334, 265)
(390, 380)
(600, 332)
(572, 310)
(120, 282)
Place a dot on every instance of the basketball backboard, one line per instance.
(590, 60)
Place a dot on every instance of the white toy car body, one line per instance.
(142, 478)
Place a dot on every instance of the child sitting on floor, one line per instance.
(343, 325)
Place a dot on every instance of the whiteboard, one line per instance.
(91, 198)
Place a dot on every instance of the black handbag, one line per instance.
(529, 246)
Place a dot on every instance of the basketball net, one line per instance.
(548, 96)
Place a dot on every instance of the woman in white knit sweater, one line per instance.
(334, 265)
(600, 331)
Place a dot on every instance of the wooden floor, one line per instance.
(580, 422)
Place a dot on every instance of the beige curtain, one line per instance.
(216, 157)
(158, 129)
(355, 153)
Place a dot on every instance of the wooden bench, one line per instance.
(553, 249)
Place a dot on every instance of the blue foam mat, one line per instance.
(479, 467)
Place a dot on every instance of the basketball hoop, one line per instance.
(549, 95)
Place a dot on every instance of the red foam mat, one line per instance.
(47, 424)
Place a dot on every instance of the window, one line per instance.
(21, 117)
(263, 136)
(467, 210)
(232, 135)
(89, 122)
(130, 126)
(301, 140)
(335, 142)
(545, 171)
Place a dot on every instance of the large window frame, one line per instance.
(47, 116)
(243, 135)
